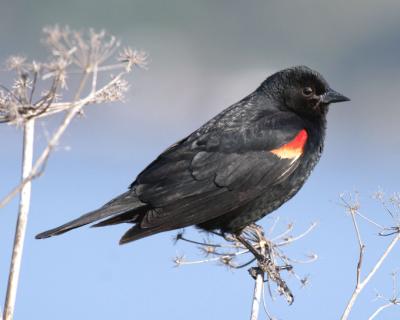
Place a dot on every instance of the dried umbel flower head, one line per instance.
(73, 55)
(114, 92)
(133, 58)
(85, 49)
(15, 62)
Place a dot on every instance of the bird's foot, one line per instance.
(255, 271)
(253, 239)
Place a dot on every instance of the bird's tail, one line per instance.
(127, 205)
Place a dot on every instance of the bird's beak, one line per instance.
(332, 96)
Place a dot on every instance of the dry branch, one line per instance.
(29, 130)
(258, 288)
(252, 246)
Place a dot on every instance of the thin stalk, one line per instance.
(15, 266)
(258, 288)
(361, 284)
(380, 309)
(257, 296)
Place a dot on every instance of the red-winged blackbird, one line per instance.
(239, 166)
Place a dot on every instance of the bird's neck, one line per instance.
(316, 129)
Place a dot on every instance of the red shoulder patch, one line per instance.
(293, 149)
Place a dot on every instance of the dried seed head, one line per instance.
(133, 58)
(15, 62)
(115, 92)
(226, 260)
(179, 260)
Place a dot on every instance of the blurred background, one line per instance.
(204, 56)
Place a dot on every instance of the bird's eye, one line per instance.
(307, 91)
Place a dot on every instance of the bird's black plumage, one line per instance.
(239, 166)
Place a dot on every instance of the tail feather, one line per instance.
(127, 217)
(136, 233)
(122, 204)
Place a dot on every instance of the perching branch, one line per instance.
(258, 287)
(252, 246)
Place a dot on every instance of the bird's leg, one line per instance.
(254, 234)
(254, 240)
(257, 228)
(261, 258)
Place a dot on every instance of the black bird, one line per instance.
(239, 166)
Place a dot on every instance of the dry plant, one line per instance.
(391, 206)
(270, 259)
(96, 59)
(252, 246)
(388, 302)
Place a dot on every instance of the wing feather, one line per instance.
(212, 173)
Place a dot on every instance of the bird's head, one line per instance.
(302, 90)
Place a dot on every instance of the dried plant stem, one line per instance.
(361, 284)
(380, 309)
(258, 288)
(22, 104)
(42, 159)
(252, 242)
(22, 221)
(28, 173)
(257, 295)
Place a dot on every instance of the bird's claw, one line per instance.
(255, 271)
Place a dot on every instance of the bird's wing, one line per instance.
(212, 173)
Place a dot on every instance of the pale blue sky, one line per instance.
(204, 56)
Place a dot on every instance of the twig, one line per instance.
(380, 309)
(361, 284)
(392, 301)
(353, 210)
(284, 233)
(22, 221)
(270, 317)
(291, 239)
(252, 242)
(179, 261)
